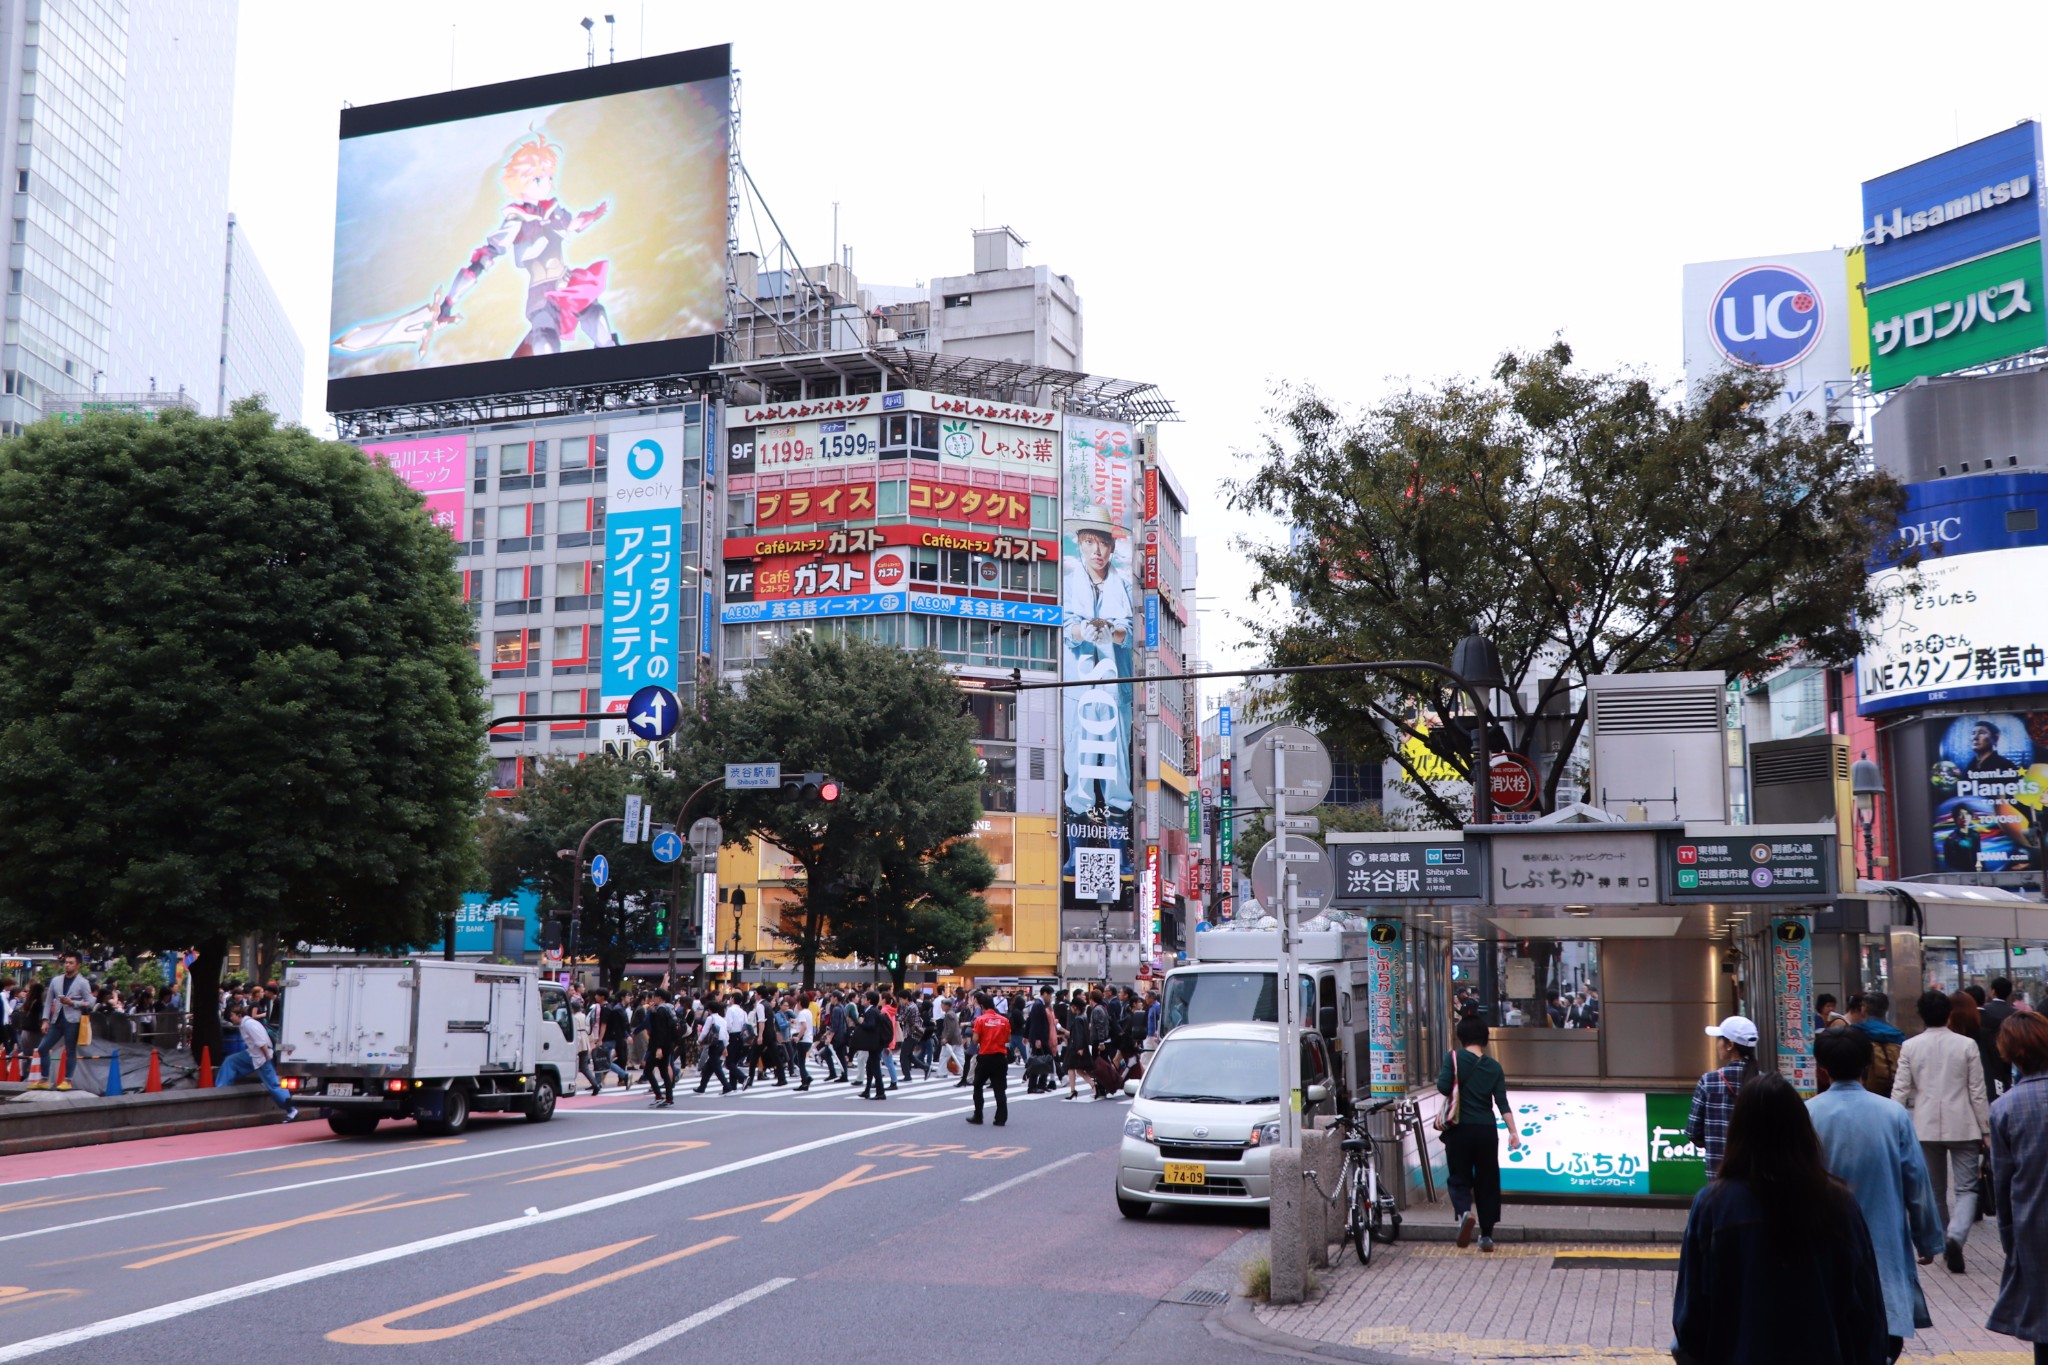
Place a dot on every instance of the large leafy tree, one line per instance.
(237, 694)
(884, 864)
(524, 836)
(1256, 829)
(1582, 521)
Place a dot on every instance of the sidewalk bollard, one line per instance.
(205, 1068)
(155, 1082)
(113, 1075)
(1286, 1244)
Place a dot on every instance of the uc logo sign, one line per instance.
(643, 461)
(1766, 318)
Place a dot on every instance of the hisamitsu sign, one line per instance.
(1753, 862)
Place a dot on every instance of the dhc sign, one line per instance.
(1766, 318)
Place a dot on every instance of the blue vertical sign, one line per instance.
(1791, 998)
(710, 616)
(643, 531)
(1386, 965)
(1151, 620)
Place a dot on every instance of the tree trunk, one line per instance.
(202, 996)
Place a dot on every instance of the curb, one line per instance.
(29, 1126)
(1509, 1232)
(1236, 1321)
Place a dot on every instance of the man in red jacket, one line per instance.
(992, 1059)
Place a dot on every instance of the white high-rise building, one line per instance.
(116, 147)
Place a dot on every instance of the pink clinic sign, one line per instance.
(434, 466)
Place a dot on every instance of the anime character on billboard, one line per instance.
(1989, 814)
(1098, 618)
(561, 300)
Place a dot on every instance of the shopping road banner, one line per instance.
(1791, 996)
(1969, 314)
(1589, 1143)
(1386, 965)
(643, 529)
(1098, 630)
(436, 467)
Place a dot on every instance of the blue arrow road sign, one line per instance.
(600, 870)
(668, 846)
(652, 713)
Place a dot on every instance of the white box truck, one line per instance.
(365, 1040)
(1234, 977)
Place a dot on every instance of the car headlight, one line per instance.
(1266, 1134)
(1135, 1127)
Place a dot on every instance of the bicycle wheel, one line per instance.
(1357, 1211)
(1377, 1205)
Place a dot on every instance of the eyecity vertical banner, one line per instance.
(436, 467)
(1386, 965)
(1791, 996)
(643, 531)
(1098, 639)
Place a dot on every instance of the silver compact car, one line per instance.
(1205, 1119)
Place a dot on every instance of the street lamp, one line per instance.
(1866, 784)
(1477, 664)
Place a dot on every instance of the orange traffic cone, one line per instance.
(156, 1073)
(205, 1069)
(63, 1065)
(7, 1067)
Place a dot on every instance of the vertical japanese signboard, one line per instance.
(643, 605)
(1226, 850)
(436, 467)
(1098, 641)
(1791, 990)
(1386, 964)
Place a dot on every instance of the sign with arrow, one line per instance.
(600, 870)
(652, 713)
(668, 846)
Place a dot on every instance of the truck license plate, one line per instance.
(1186, 1173)
(340, 1088)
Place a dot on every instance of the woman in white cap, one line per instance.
(1713, 1099)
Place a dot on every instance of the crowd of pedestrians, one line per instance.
(1807, 1243)
(740, 1036)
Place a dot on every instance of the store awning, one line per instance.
(1941, 910)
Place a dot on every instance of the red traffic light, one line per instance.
(828, 790)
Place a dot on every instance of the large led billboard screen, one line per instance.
(568, 229)
(1971, 792)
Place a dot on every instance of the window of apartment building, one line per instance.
(986, 643)
(739, 514)
(480, 469)
(579, 586)
(567, 700)
(472, 585)
(581, 460)
(1021, 575)
(1045, 513)
(579, 521)
(575, 452)
(910, 433)
(519, 590)
(998, 776)
(578, 649)
(479, 527)
(514, 704)
(522, 525)
(515, 650)
(994, 717)
(507, 774)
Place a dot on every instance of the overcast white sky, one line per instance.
(1347, 194)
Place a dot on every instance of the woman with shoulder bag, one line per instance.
(1475, 1086)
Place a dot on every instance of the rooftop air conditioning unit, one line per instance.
(1659, 743)
(1805, 781)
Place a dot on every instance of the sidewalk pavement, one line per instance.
(1541, 1297)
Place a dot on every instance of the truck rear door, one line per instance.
(508, 1022)
(381, 1017)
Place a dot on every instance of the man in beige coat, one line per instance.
(1941, 1081)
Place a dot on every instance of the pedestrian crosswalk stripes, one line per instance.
(935, 1086)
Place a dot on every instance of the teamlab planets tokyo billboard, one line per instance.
(558, 231)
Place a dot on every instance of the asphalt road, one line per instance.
(799, 1224)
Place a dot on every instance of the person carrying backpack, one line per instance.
(1885, 1042)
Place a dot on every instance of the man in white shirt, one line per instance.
(711, 1049)
(736, 1024)
(254, 1059)
(800, 1044)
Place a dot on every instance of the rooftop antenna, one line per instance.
(589, 41)
(611, 38)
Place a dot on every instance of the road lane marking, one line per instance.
(291, 1279)
(51, 1201)
(215, 1241)
(644, 1154)
(378, 1331)
(345, 1160)
(691, 1323)
(16, 1295)
(1015, 1181)
(803, 1199)
(355, 1175)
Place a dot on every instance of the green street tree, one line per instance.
(237, 694)
(928, 907)
(1255, 830)
(1581, 521)
(524, 835)
(889, 724)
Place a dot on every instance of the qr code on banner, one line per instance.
(1097, 870)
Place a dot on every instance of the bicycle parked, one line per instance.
(1369, 1213)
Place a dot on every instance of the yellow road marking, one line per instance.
(15, 1295)
(647, 1153)
(378, 1331)
(407, 1149)
(1616, 1255)
(797, 1203)
(214, 1241)
(50, 1201)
